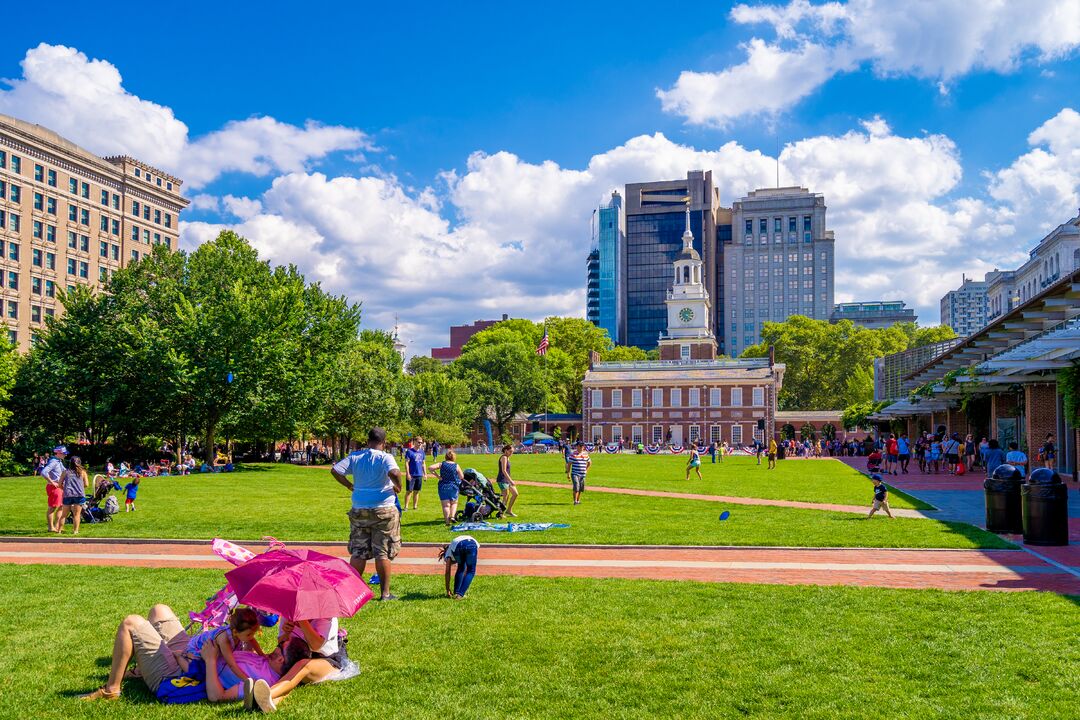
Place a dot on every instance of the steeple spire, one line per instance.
(687, 236)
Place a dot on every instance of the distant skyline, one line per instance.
(440, 163)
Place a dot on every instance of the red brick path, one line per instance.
(943, 569)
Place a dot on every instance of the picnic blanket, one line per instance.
(505, 527)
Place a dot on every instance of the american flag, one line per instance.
(542, 348)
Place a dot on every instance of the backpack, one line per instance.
(112, 505)
(181, 690)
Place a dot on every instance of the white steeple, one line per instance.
(689, 310)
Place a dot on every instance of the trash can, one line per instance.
(1003, 504)
(1045, 501)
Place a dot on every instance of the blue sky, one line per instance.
(455, 145)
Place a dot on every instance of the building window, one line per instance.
(73, 186)
(50, 288)
(135, 233)
(73, 213)
(736, 434)
(84, 243)
(714, 434)
(84, 270)
(35, 286)
(13, 251)
(116, 201)
(736, 397)
(85, 187)
(16, 164)
(104, 224)
(115, 252)
(616, 433)
(758, 395)
(695, 434)
(616, 398)
(684, 352)
(39, 173)
(135, 208)
(115, 227)
(657, 434)
(146, 212)
(168, 220)
(35, 313)
(597, 434)
(146, 236)
(693, 397)
(658, 397)
(71, 266)
(157, 217)
(50, 261)
(636, 435)
(103, 274)
(138, 172)
(597, 398)
(51, 175)
(714, 397)
(72, 242)
(50, 205)
(105, 198)
(763, 226)
(36, 258)
(13, 309)
(676, 397)
(3, 159)
(635, 397)
(84, 217)
(134, 256)
(103, 248)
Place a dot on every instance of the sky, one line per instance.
(439, 162)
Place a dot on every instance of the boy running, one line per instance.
(881, 497)
(577, 467)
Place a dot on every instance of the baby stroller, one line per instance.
(94, 511)
(482, 500)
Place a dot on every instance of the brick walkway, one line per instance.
(942, 569)
(859, 509)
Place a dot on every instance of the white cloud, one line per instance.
(938, 41)
(85, 101)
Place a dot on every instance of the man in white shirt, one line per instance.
(375, 523)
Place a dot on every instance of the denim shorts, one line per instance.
(75, 500)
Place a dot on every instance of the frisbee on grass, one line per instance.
(725, 515)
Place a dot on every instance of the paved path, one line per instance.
(859, 509)
(943, 569)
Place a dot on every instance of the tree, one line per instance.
(420, 364)
(440, 398)
(624, 353)
(855, 416)
(503, 374)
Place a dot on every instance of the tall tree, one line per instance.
(504, 374)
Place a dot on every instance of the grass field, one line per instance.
(568, 648)
(295, 503)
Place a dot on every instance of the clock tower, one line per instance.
(689, 333)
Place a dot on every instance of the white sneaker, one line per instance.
(262, 696)
(249, 693)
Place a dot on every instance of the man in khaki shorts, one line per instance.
(374, 521)
(157, 643)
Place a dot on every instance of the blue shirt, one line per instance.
(448, 476)
(415, 460)
(370, 470)
(132, 490)
(903, 447)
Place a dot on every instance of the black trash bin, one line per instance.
(1003, 504)
(1045, 501)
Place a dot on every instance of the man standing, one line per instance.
(414, 459)
(375, 524)
(577, 467)
(772, 454)
(53, 472)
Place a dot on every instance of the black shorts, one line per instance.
(414, 483)
(952, 459)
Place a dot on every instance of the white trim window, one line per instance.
(736, 397)
(635, 397)
(616, 398)
(715, 397)
(657, 434)
(597, 434)
(695, 433)
(616, 433)
(676, 397)
(759, 434)
(736, 434)
(715, 436)
(759, 397)
(637, 434)
(693, 397)
(684, 352)
(597, 398)
(658, 397)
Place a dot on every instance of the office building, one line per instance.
(655, 220)
(875, 314)
(779, 262)
(592, 287)
(459, 335)
(69, 217)
(611, 248)
(965, 309)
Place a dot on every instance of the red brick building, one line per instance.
(459, 335)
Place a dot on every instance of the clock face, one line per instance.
(686, 314)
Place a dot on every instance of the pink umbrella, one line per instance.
(299, 585)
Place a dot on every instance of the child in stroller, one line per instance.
(482, 501)
(93, 511)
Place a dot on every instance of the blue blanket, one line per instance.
(505, 527)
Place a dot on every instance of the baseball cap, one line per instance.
(875, 476)
(60, 449)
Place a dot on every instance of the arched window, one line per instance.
(1076, 259)
(686, 274)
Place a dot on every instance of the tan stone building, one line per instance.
(69, 217)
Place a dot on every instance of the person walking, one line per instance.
(75, 483)
(903, 448)
(881, 497)
(462, 551)
(374, 520)
(576, 470)
(414, 462)
(53, 472)
(969, 451)
(1016, 457)
(1048, 453)
(506, 482)
(994, 456)
(712, 452)
(450, 476)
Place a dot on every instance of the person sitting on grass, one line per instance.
(694, 463)
(881, 497)
(461, 551)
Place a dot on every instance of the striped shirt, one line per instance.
(579, 464)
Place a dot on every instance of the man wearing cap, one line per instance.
(53, 472)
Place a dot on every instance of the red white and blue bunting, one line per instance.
(612, 447)
(676, 449)
(652, 449)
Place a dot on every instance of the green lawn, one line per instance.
(295, 503)
(574, 648)
(821, 481)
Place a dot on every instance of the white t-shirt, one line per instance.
(370, 470)
(327, 628)
(457, 541)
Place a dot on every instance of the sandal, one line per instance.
(101, 694)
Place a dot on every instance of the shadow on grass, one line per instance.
(416, 596)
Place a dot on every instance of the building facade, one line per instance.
(69, 217)
(965, 309)
(611, 245)
(874, 314)
(459, 335)
(689, 334)
(592, 287)
(655, 220)
(780, 262)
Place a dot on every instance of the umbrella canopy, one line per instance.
(538, 436)
(299, 585)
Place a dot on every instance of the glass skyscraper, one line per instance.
(611, 244)
(592, 287)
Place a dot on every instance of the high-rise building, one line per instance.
(874, 314)
(966, 308)
(655, 220)
(780, 262)
(611, 244)
(592, 287)
(69, 217)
